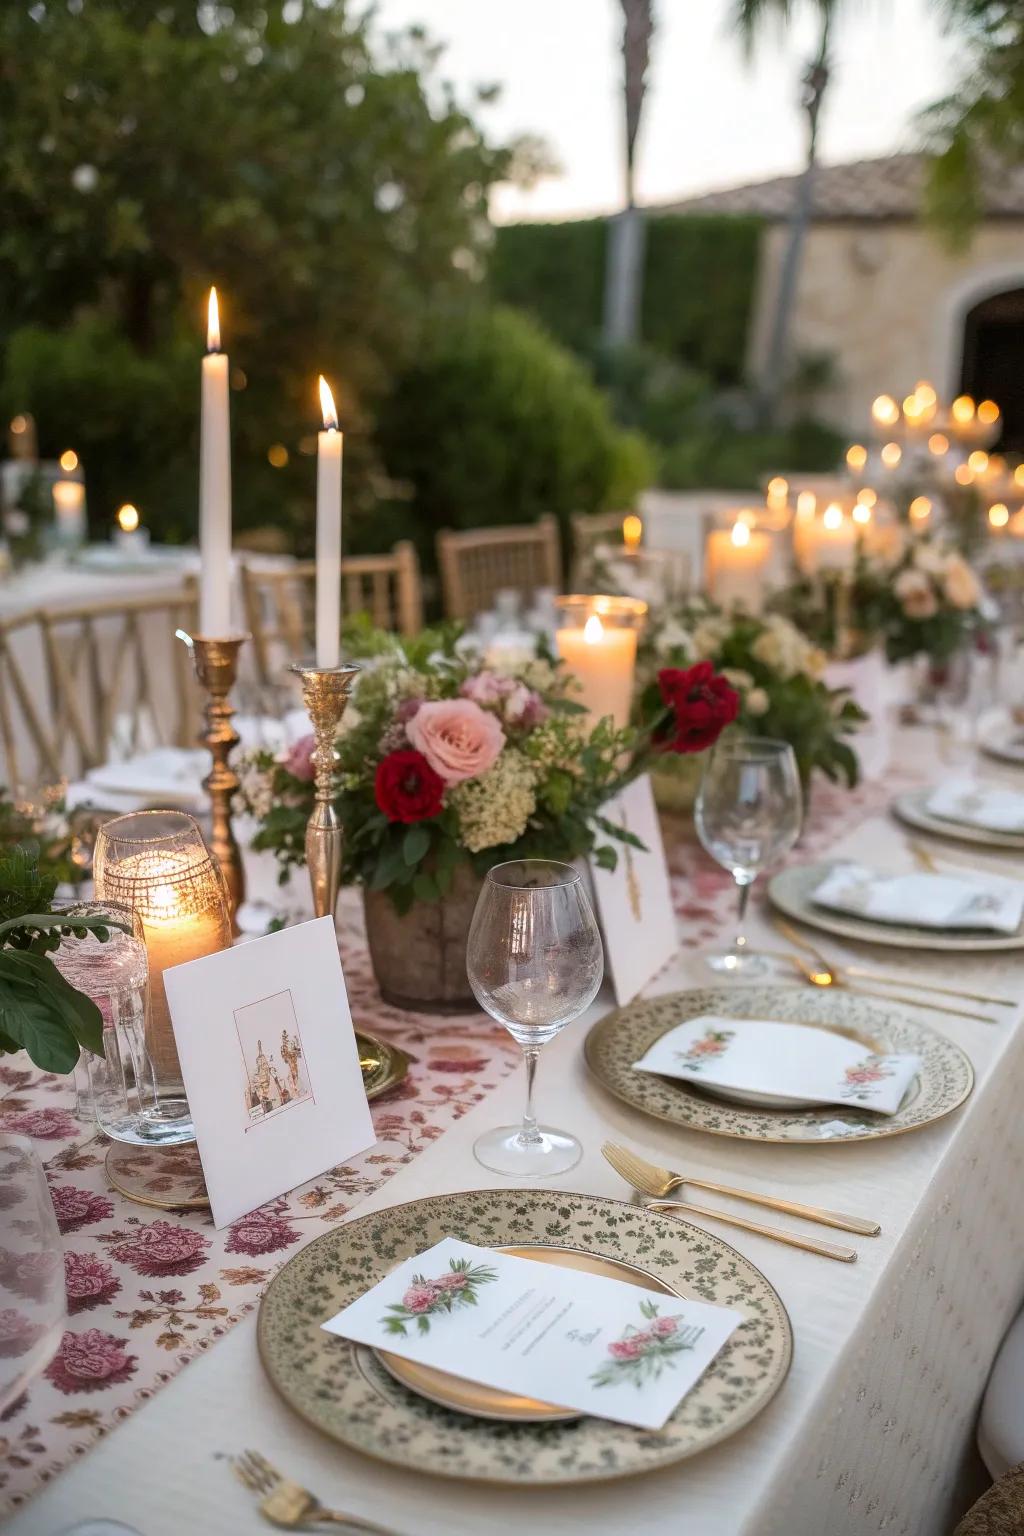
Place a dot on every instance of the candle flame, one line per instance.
(327, 406)
(632, 531)
(69, 461)
(962, 409)
(999, 515)
(988, 412)
(920, 509)
(212, 323)
(856, 456)
(833, 516)
(593, 630)
(128, 517)
(740, 534)
(862, 512)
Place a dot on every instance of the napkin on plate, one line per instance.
(978, 805)
(792, 1061)
(923, 900)
(167, 773)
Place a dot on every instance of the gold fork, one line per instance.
(287, 1504)
(652, 1180)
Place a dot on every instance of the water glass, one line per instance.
(534, 962)
(33, 1303)
(748, 814)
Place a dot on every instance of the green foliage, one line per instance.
(698, 289)
(40, 1012)
(312, 168)
(720, 455)
(651, 393)
(494, 423)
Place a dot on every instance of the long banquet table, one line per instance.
(873, 1429)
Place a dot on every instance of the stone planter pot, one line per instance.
(419, 957)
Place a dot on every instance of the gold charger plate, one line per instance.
(488, 1402)
(912, 809)
(790, 891)
(616, 1041)
(343, 1389)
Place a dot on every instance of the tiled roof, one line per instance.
(867, 189)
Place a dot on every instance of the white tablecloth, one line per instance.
(872, 1431)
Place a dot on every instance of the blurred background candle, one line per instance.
(328, 533)
(596, 638)
(632, 531)
(129, 535)
(69, 511)
(215, 486)
(735, 566)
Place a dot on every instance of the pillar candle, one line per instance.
(215, 486)
(602, 658)
(69, 509)
(735, 561)
(328, 534)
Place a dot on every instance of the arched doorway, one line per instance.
(993, 360)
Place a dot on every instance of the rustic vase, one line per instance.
(419, 956)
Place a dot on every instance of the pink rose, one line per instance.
(626, 1349)
(525, 707)
(78, 1207)
(89, 1282)
(663, 1327)
(484, 688)
(420, 1297)
(162, 1248)
(18, 1333)
(88, 1361)
(451, 1282)
(298, 760)
(260, 1232)
(458, 739)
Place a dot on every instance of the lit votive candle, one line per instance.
(69, 511)
(596, 638)
(735, 566)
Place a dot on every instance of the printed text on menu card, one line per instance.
(575, 1340)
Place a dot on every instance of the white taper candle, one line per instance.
(328, 534)
(215, 486)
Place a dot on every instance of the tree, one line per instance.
(752, 16)
(982, 119)
(321, 175)
(626, 232)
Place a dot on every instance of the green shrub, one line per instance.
(651, 393)
(497, 424)
(720, 455)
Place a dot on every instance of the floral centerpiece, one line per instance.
(776, 673)
(448, 767)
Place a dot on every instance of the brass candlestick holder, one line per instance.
(216, 664)
(325, 693)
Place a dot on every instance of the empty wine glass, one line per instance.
(534, 961)
(33, 1303)
(749, 811)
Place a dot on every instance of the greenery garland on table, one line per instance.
(444, 761)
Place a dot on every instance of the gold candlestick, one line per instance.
(325, 692)
(216, 664)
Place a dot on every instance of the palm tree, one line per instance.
(752, 17)
(623, 282)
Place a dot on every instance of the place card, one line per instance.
(571, 1339)
(978, 805)
(269, 1061)
(783, 1061)
(634, 900)
(924, 900)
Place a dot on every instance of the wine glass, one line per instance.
(748, 814)
(33, 1302)
(534, 961)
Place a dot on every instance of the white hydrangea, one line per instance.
(495, 808)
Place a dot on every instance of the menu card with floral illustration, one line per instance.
(785, 1061)
(561, 1336)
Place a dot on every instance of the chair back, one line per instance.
(480, 562)
(79, 686)
(280, 602)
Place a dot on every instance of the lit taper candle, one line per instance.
(328, 534)
(215, 486)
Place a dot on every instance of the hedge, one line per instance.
(699, 280)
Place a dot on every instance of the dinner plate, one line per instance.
(790, 891)
(343, 1389)
(912, 809)
(616, 1041)
(1001, 735)
(488, 1402)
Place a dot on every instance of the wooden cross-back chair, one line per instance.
(478, 563)
(78, 684)
(279, 602)
(589, 529)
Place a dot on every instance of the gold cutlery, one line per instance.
(824, 974)
(649, 1179)
(931, 860)
(778, 1234)
(287, 1504)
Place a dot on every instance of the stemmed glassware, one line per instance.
(749, 813)
(535, 962)
(33, 1302)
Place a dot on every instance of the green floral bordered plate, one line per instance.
(343, 1390)
(790, 891)
(616, 1041)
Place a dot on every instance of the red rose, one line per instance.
(407, 788)
(702, 705)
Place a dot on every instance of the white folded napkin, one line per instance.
(978, 805)
(923, 900)
(174, 774)
(790, 1061)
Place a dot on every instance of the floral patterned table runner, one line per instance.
(148, 1289)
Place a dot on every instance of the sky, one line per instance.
(710, 119)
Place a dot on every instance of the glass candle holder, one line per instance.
(597, 637)
(157, 864)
